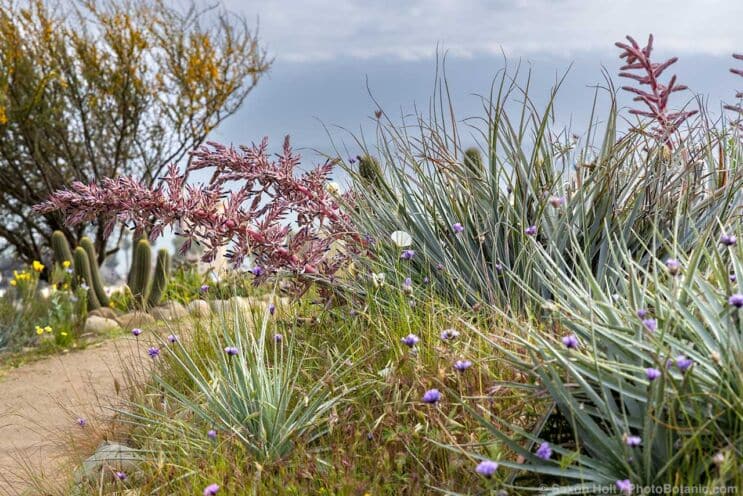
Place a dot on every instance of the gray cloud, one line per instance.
(313, 30)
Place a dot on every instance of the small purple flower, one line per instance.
(570, 341)
(486, 468)
(120, 475)
(257, 271)
(271, 308)
(625, 486)
(204, 288)
(457, 228)
(449, 334)
(673, 266)
(432, 396)
(439, 266)
(633, 441)
(278, 337)
(407, 254)
(557, 201)
(728, 239)
(407, 285)
(154, 352)
(211, 490)
(172, 339)
(230, 350)
(426, 280)
(736, 300)
(462, 365)
(733, 278)
(544, 451)
(136, 331)
(650, 324)
(684, 363)
(410, 340)
(652, 373)
(81, 422)
(498, 267)
(530, 231)
(351, 160)
(211, 434)
(642, 313)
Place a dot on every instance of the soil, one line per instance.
(41, 402)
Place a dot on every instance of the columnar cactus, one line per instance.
(61, 248)
(473, 162)
(160, 279)
(82, 274)
(370, 170)
(139, 274)
(96, 281)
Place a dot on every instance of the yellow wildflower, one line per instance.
(38, 266)
(39, 330)
(13, 282)
(63, 334)
(48, 329)
(66, 264)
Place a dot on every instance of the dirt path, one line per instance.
(41, 402)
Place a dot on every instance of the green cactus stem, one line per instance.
(139, 274)
(82, 274)
(95, 273)
(160, 279)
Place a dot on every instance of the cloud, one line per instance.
(316, 30)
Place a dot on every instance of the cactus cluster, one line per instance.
(146, 287)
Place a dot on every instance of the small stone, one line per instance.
(199, 308)
(106, 312)
(100, 325)
(135, 319)
(108, 459)
(169, 311)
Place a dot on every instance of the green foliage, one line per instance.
(370, 172)
(96, 281)
(84, 276)
(592, 189)
(60, 248)
(160, 278)
(139, 273)
(474, 163)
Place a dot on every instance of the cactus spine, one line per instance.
(96, 281)
(160, 279)
(61, 248)
(82, 273)
(139, 274)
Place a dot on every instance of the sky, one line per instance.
(330, 55)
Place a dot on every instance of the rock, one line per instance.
(108, 459)
(199, 308)
(135, 319)
(100, 325)
(105, 312)
(239, 303)
(169, 311)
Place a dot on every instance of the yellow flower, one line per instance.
(38, 266)
(39, 330)
(48, 329)
(13, 282)
(63, 334)
(66, 264)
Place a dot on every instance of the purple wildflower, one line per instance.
(230, 350)
(426, 280)
(570, 341)
(733, 278)
(81, 422)
(625, 486)
(486, 468)
(431, 396)
(449, 334)
(407, 285)
(652, 373)
(728, 239)
(211, 490)
(632, 441)
(530, 231)
(557, 201)
(204, 288)
(650, 324)
(498, 267)
(457, 228)
(257, 271)
(673, 266)
(462, 365)
(172, 338)
(439, 266)
(736, 300)
(211, 434)
(410, 340)
(271, 308)
(120, 475)
(684, 363)
(544, 451)
(153, 351)
(642, 313)
(136, 331)
(278, 337)
(407, 254)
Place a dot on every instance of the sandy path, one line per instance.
(40, 403)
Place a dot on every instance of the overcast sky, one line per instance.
(325, 52)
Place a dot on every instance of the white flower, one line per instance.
(401, 239)
(333, 188)
(378, 279)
